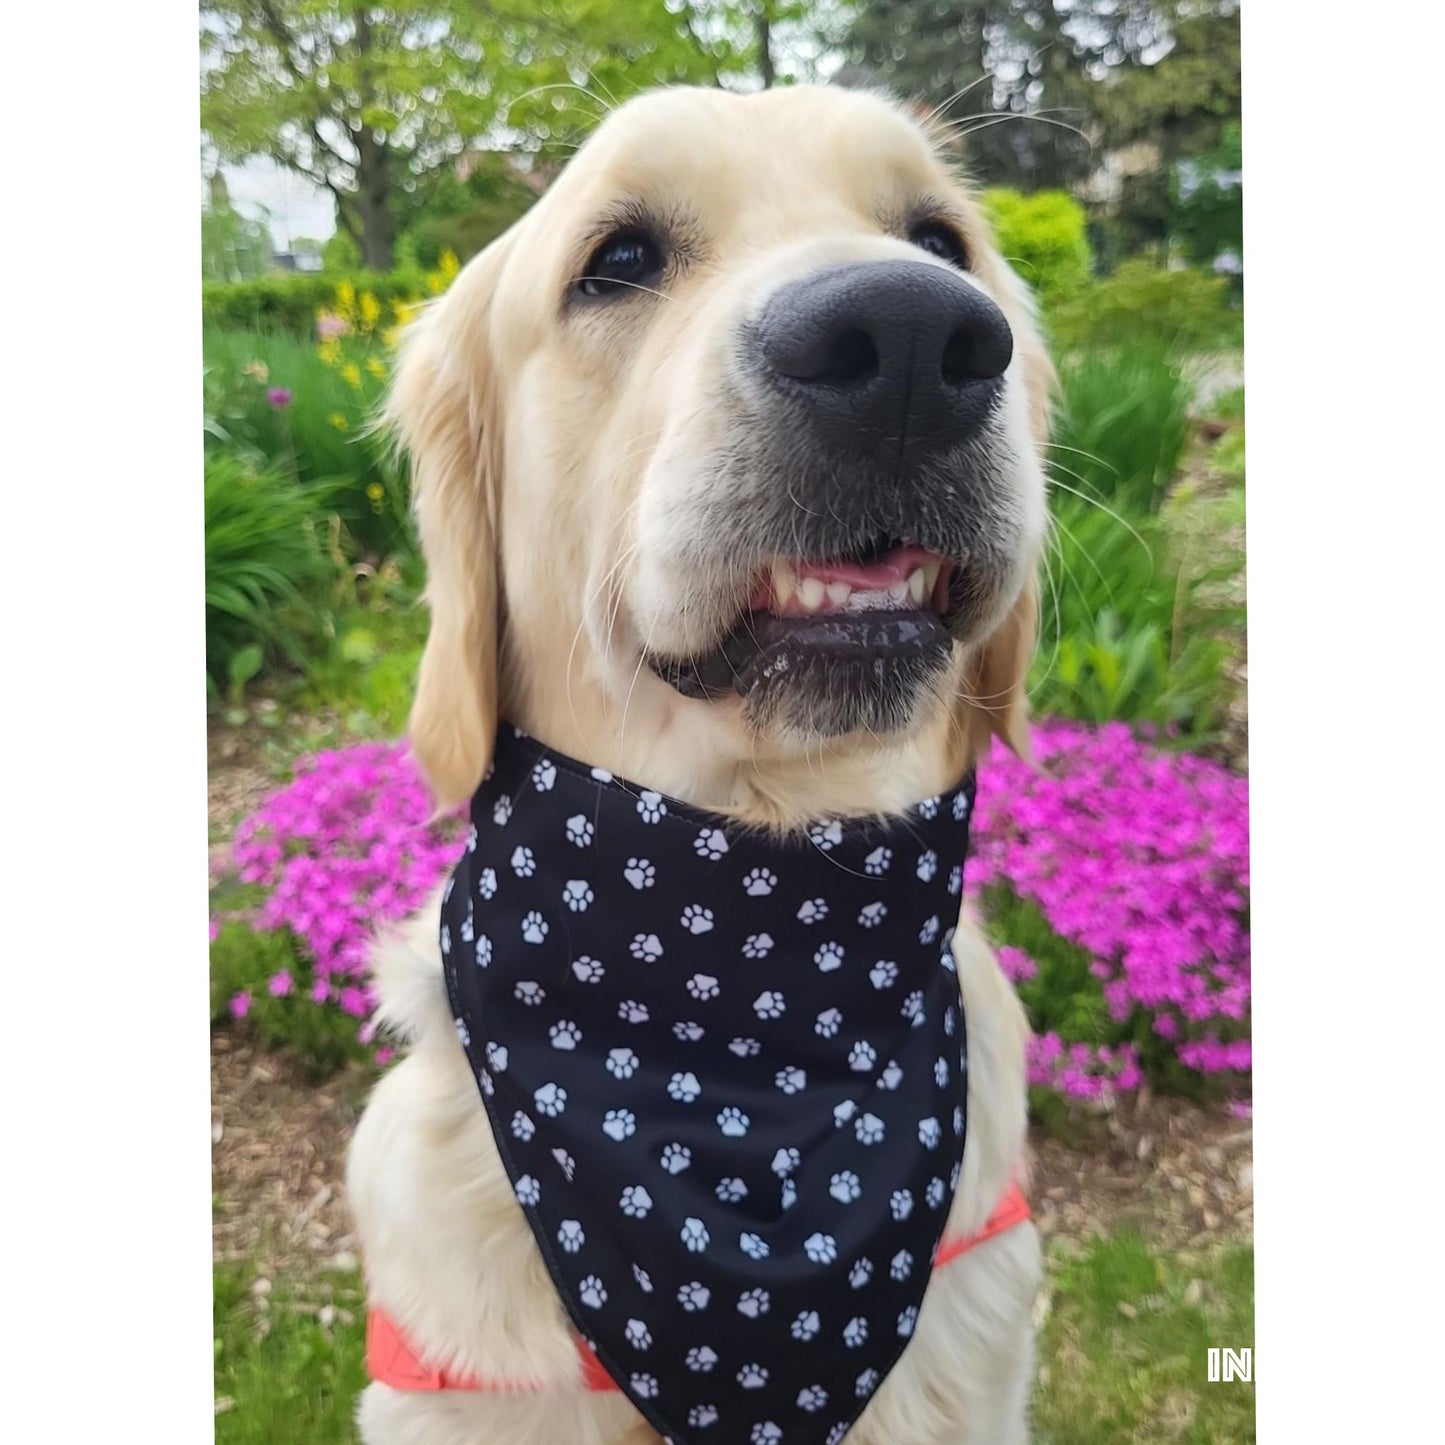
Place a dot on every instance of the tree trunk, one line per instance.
(373, 170)
(765, 47)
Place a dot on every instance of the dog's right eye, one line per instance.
(626, 261)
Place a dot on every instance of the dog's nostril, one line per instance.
(974, 354)
(853, 359)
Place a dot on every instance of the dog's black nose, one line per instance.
(901, 359)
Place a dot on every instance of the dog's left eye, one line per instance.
(626, 260)
(939, 239)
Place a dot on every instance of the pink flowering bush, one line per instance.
(1114, 878)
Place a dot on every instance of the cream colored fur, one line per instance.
(561, 465)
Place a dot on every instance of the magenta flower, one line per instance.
(280, 984)
(240, 1004)
(279, 397)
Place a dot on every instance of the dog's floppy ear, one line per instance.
(443, 413)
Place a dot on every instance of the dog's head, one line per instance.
(733, 440)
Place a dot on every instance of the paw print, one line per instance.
(812, 1398)
(534, 927)
(644, 1386)
(955, 881)
(565, 1035)
(622, 1063)
(829, 957)
(929, 932)
(806, 1326)
(497, 1057)
(866, 1383)
(644, 1280)
(960, 806)
(524, 862)
(753, 1245)
(522, 1127)
(529, 993)
(878, 861)
(676, 1158)
(502, 810)
(636, 1333)
(826, 836)
(650, 807)
(588, 970)
(487, 883)
(883, 974)
(688, 1031)
(745, 1048)
(909, 1317)
(786, 1161)
(836, 1434)
(912, 1008)
(845, 1186)
(814, 910)
(950, 1022)
(927, 866)
(828, 1023)
(821, 1248)
(592, 1292)
(550, 1099)
(791, 1080)
(788, 1194)
(632, 1012)
(635, 1202)
(694, 1297)
(855, 1332)
(483, 952)
(757, 945)
(843, 1112)
(900, 1204)
(571, 1236)
(579, 830)
(646, 947)
(446, 940)
(928, 808)
(701, 1416)
(697, 919)
(733, 1123)
(935, 1194)
(703, 986)
(958, 1121)
(701, 1359)
(765, 1433)
(544, 776)
(465, 932)
(683, 1088)
(694, 1235)
(528, 1191)
(862, 1056)
(711, 844)
(640, 873)
(770, 1004)
(891, 1076)
(754, 1303)
(754, 1377)
(759, 882)
(464, 1034)
(484, 1078)
(730, 1190)
(872, 915)
(869, 1129)
(941, 1073)
(900, 1266)
(577, 895)
(471, 848)
(619, 1124)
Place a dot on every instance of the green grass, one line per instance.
(1122, 1354)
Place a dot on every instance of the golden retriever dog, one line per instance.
(740, 339)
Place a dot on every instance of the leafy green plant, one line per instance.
(289, 302)
(1043, 237)
(1144, 305)
(261, 554)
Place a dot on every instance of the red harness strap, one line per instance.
(391, 1361)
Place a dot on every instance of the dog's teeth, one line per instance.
(930, 577)
(898, 592)
(784, 581)
(839, 593)
(811, 592)
(916, 586)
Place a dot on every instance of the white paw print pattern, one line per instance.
(684, 1088)
(929, 932)
(577, 895)
(636, 1202)
(588, 970)
(745, 1048)
(845, 1186)
(844, 1111)
(551, 1100)
(770, 1004)
(645, 947)
(883, 974)
(828, 1023)
(900, 1204)
(788, 1194)
(571, 1236)
(871, 915)
(821, 1248)
(813, 910)
(487, 883)
(579, 830)
(701, 1359)
(787, 1161)
(941, 1073)
(524, 1127)
(644, 1386)
(862, 1057)
(619, 1124)
(528, 1191)
(696, 919)
(733, 1123)
(791, 1080)
(928, 808)
(753, 1377)
(524, 862)
(711, 844)
(530, 992)
(812, 1398)
(592, 1292)
(878, 861)
(757, 945)
(638, 1335)
(826, 836)
(927, 865)
(866, 1383)
(753, 1245)
(900, 1266)
(502, 811)
(622, 1062)
(631, 1011)
(640, 873)
(960, 806)
(869, 1129)
(688, 1031)
(446, 941)
(675, 1158)
(806, 1326)
(935, 1194)
(483, 951)
(694, 1235)
(855, 1332)
(759, 882)
(701, 1416)
(564, 1034)
(754, 1303)
(498, 1056)
(694, 1297)
(534, 927)
(907, 1319)
(829, 957)
(650, 807)
(703, 986)
(765, 1432)
(544, 776)
(731, 1190)
(891, 1077)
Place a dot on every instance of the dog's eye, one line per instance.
(625, 261)
(941, 240)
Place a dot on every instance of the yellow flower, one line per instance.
(346, 299)
(448, 264)
(390, 337)
(370, 310)
(376, 366)
(256, 370)
(330, 352)
(436, 283)
(351, 374)
(337, 420)
(376, 494)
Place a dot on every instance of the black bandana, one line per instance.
(726, 1074)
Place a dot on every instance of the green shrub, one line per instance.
(290, 302)
(1142, 305)
(262, 551)
(1121, 425)
(1044, 237)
